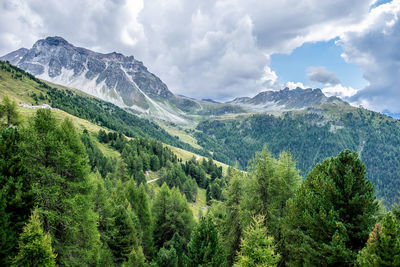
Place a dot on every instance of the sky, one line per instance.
(222, 49)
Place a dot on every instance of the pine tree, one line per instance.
(8, 109)
(233, 226)
(146, 221)
(204, 248)
(126, 238)
(383, 245)
(167, 258)
(15, 196)
(136, 258)
(257, 248)
(329, 219)
(171, 215)
(58, 171)
(34, 245)
(272, 184)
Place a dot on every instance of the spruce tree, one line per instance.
(257, 248)
(143, 212)
(204, 248)
(383, 245)
(171, 215)
(329, 219)
(272, 183)
(61, 187)
(34, 245)
(233, 222)
(15, 196)
(166, 258)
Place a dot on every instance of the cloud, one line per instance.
(294, 85)
(205, 49)
(374, 46)
(339, 90)
(322, 76)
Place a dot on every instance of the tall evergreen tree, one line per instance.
(204, 248)
(34, 245)
(272, 183)
(329, 219)
(15, 196)
(58, 171)
(257, 248)
(383, 245)
(233, 226)
(171, 215)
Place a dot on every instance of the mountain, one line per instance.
(285, 99)
(126, 82)
(113, 77)
(31, 92)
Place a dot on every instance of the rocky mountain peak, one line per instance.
(114, 77)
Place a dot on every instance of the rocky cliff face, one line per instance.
(114, 77)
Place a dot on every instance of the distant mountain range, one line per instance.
(285, 99)
(126, 82)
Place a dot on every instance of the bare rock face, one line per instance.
(114, 77)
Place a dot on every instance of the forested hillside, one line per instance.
(103, 193)
(63, 202)
(311, 136)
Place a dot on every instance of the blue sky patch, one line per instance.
(293, 67)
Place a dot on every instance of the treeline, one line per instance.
(58, 208)
(312, 137)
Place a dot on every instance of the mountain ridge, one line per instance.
(126, 82)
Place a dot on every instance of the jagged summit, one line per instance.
(114, 77)
(285, 99)
(125, 81)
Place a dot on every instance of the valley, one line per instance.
(145, 175)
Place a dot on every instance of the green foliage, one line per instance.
(58, 172)
(166, 258)
(34, 245)
(8, 109)
(171, 215)
(232, 223)
(257, 248)
(136, 258)
(97, 160)
(311, 137)
(204, 248)
(272, 182)
(15, 191)
(330, 217)
(383, 245)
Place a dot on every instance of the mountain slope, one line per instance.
(25, 88)
(312, 135)
(113, 77)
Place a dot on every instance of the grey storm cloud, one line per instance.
(201, 48)
(374, 47)
(322, 76)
